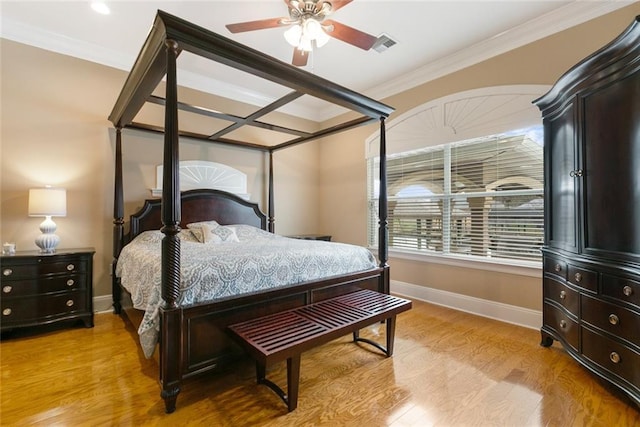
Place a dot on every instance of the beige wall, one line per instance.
(343, 168)
(55, 131)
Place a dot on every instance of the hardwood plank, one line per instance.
(449, 368)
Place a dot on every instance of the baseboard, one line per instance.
(495, 310)
(103, 304)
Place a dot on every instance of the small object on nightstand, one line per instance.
(39, 289)
(324, 237)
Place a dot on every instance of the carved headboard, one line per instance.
(199, 205)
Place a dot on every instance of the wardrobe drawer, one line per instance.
(622, 289)
(584, 278)
(612, 318)
(616, 358)
(562, 295)
(556, 267)
(567, 328)
(43, 286)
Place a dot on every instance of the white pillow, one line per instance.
(197, 228)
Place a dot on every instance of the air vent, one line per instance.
(383, 43)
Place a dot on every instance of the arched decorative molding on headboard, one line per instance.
(463, 115)
(195, 174)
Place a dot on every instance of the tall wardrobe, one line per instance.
(591, 254)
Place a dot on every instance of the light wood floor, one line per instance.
(449, 369)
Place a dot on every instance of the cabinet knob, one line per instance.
(7, 272)
(7, 289)
(578, 277)
(70, 303)
(563, 294)
(613, 319)
(576, 173)
(627, 291)
(70, 282)
(71, 267)
(6, 312)
(614, 357)
(557, 268)
(563, 324)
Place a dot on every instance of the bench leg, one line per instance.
(391, 332)
(293, 381)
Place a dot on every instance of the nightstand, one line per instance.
(39, 289)
(312, 237)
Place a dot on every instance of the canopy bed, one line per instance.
(192, 338)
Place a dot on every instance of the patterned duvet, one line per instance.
(258, 260)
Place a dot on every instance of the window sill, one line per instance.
(520, 268)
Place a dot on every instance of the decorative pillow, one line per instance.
(197, 228)
(219, 234)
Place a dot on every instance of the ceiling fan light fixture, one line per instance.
(302, 36)
(293, 35)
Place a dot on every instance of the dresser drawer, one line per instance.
(51, 284)
(584, 278)
(555, 267)
(27, 309)
(612, 318)
(567, 328)
(612, 356)
(622, 289)
(11, 271)
(562, 295)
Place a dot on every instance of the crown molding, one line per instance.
(565, 17)
(561, 19)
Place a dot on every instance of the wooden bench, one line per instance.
(286, 335)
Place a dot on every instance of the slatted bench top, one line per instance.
(279, 336)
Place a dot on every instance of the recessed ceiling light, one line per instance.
(100, 7)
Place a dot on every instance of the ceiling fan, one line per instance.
(310, 27)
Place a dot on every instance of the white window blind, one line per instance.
(477, 198)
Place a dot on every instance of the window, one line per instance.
(481, 197)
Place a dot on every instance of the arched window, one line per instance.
(465, 176)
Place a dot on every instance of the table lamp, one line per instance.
(47, 202)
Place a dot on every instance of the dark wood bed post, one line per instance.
(383, 224)
(272, 226)
(170, 363)
(118, 223)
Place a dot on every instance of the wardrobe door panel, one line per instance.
(612, 161)
(561, 202)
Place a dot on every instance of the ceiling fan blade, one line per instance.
(262, 24)
(300, 57)
(337, 4)
(349, 34)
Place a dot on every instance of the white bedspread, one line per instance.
(210, 271)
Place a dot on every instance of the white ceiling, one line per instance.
(433, 38)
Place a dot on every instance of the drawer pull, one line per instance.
(563, 294)
(70, 282)
(614, 357)
(627, 291)
(578, 277)
(613, 319)
(70, 303)
(7, 272)
(557, 268)
(7, 289)
(71, 267)
(6, 312)
(563, 324)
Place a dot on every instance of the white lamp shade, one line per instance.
(47, 202)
